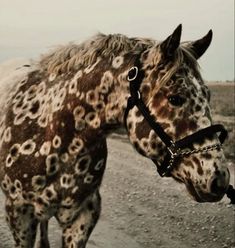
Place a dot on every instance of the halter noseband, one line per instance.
(174, 149)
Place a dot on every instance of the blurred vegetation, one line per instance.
(222, 98)
(223, 111)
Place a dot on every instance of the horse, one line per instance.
(58, 111)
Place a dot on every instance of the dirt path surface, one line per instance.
(142, 210)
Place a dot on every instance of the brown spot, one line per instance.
(40, 181)
(137, 113)
(34, 107)
(72, 246)
(12, 189)
(216, 166)
(40, 201)
(199, 166)
(187, 173)
(142, 129)
(192, 125)
(165, 125)
(206, 156)
(14, 151)
(130, 125)
(91, 117)
(193, 92)
(163, 112)
(99, 106)
(91, 96)
(145, 144)
(19, 105)
(200, 99)
(189, 164)
(27, 147)
(69, 239)
(153, 145)
(181, 127)
(192, 102)
(198, 108)
(49, 193)
(145, 90)
(83, 163)
(18, 184)
(157, 99)
(90, 206)
(52, 164)
(204, 186)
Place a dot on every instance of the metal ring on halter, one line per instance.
(130, 77)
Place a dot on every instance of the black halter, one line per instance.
(174, 149)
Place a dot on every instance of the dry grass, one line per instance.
(223, 111)
(222, 98)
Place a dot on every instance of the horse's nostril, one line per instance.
(214, 186)
(217, 187)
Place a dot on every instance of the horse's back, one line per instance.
(11, 72)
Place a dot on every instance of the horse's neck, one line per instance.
(104, 96)
(116, 102)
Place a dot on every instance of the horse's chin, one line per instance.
(200, 196)
(196, 193)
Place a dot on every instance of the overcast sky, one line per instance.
(30, 27)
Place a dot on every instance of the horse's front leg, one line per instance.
(22, 223)
(77, 232)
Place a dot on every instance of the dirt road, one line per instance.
(142, 210)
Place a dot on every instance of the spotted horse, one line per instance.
(57, 113)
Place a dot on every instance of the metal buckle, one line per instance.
(172, 151)
(132, 77)
(138, 95)
(173, 154)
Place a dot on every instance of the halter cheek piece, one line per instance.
(174, 149)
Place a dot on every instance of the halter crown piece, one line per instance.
(174, 149)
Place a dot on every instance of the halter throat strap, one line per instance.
(174, 149)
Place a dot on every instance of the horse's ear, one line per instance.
(200, 46)
(172, 42)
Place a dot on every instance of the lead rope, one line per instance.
(231, 194)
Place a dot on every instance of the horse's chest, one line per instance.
(56, 176)
(70, 188)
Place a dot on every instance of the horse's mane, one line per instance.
(73, 56)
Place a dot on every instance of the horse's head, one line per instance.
(170, 89)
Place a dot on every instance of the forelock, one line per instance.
(182, 56)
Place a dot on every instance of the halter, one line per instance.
(174, 149)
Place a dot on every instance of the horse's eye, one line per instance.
(176, 100)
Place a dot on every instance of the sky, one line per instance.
(29, 28)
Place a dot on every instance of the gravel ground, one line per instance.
(142, 210)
